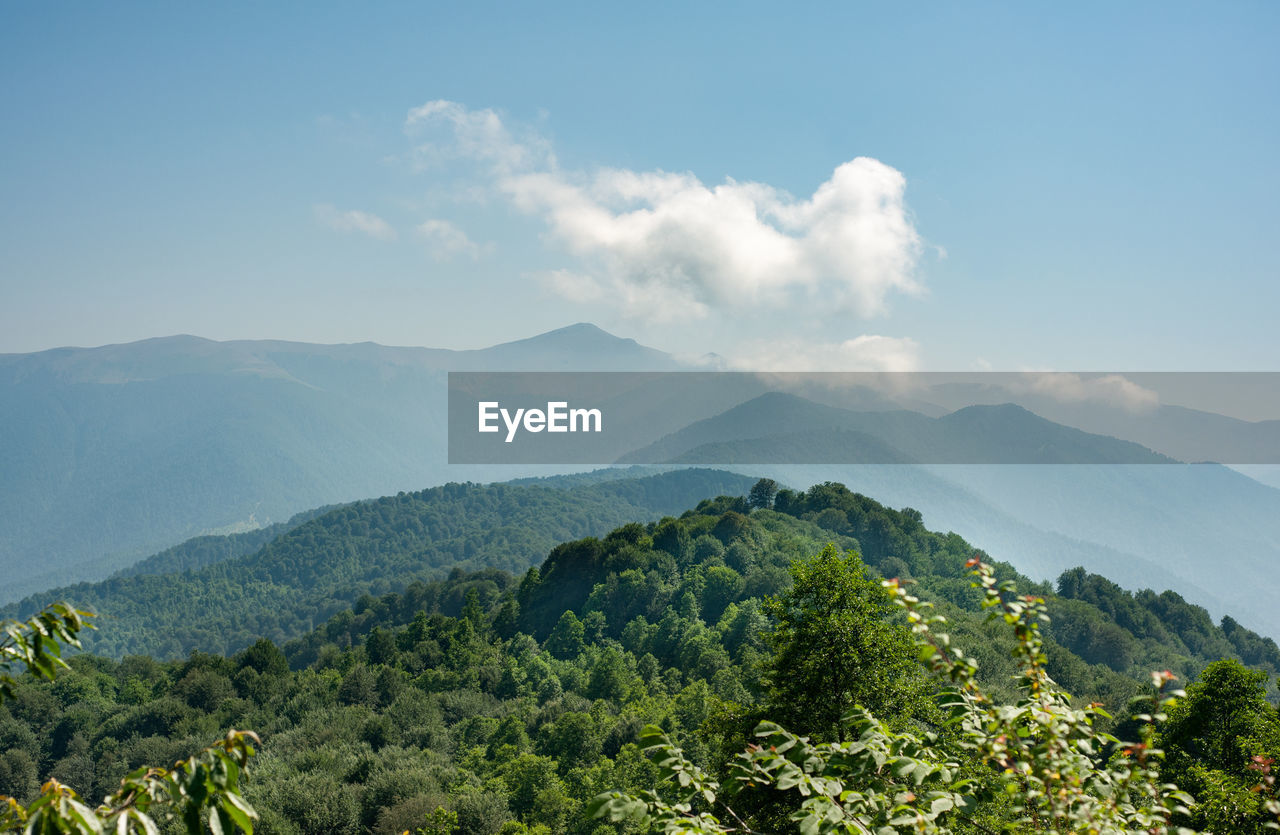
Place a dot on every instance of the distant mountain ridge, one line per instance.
(1133, 515)
(578, 347)
(110, 453)
(1187, 434)
(786, 429)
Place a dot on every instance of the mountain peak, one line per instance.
(584, 327)
(578, 333)
(578, 347)
(1004, 410)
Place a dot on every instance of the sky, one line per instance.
(1086, 186)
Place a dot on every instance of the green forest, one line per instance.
(227, 593)
(450, 683)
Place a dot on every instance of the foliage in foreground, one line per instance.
(1053, 769)
(202, 790)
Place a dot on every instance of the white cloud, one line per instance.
(454, 131)
(355, 221)
(868, 352)
(1110, 389)
(665, 246)
(447, 240)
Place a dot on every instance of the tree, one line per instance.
(440, 821)
(568, 637)
(359, 687)
(201, 791)
(835, 645)
(722, 586)
(380, 645)
(609, 676)
(265, 657)
(1217, 740)
(762, 494)
(1044, 749)
(1225, 714)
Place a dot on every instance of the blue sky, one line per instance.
(1080, 186)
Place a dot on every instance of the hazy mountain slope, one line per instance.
(322, 566)
(1195, 529)
(1216, 530)
(1038, 519)
(108, 454)
(812, 447)
(768, 414)
(124, 468)
(1186, 434)
(1268, 474)
(949, 506)
(976, 434)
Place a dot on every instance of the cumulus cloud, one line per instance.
(868, 352)
(447, 240)
(666, 246)
(1109, 389)
(355, 221)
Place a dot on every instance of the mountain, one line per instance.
(1179, 431)
(759, 417)
(323, 565)
(1196, 529)
(1201, 530)
(580, 347)
(781, 428)
(108, 454)
(1040, 551)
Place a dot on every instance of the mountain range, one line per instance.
(1135, 515)
(781, 428)
(109, 454)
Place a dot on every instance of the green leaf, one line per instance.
(82, 814)
(240, 811)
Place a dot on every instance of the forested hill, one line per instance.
(488, 703)
(727, 554)
(1095, 618)
(320, 567)
(200, 551)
